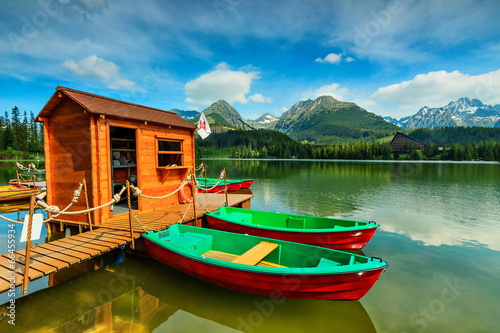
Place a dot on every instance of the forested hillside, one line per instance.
(459, 135)
(272, 144)
(20, 136)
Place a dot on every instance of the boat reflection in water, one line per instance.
(142, 295)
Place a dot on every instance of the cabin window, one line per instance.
(170, 153)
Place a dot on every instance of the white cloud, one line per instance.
(332, 58)
(436, 89)
(349, 59)
(334, 90)
(94, 67)
(259, 98)
(122, 84)
(221, 83)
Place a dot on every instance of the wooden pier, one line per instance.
(48, 258)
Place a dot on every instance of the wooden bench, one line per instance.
(232, 257)
(256, 253)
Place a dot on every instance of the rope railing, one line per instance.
(137, 192)
(116, 197)
(31, 167)
(200, 166)
(221, 177)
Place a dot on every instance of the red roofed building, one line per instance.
(108, 141)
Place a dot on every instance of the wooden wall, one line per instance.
(67, 154)
(77, 146)
(151, 180)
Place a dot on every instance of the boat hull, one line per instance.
(338, 240)
(333, 286)
(218, 188)
(15, 192)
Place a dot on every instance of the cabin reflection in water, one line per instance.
(141, 295)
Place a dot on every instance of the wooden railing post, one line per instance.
(87, 204)
(205, 171)
(17, 174)
(225, 187)
(28, 246)
(193, 179)
(132, 246)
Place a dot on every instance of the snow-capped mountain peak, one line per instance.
(464, 112)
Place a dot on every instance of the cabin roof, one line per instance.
(399, 140)
(113, 107)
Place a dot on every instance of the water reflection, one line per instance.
(434, 203)
(142, 295)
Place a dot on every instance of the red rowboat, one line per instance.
(264, 266)
(319, 231)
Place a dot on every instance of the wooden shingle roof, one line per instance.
(113, 107)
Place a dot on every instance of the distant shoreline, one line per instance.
(340, 160)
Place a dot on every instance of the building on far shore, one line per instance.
(400, 141)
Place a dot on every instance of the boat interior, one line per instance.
(254, 251)
(278, 220)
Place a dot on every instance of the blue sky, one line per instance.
(389, 57)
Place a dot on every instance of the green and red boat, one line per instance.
(318, 231)
(264, 266)
(244, 183)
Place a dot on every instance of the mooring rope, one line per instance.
(144, 227)
(187, 209)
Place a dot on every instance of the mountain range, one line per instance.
(464, 112)
(327, 120)
(267, 121)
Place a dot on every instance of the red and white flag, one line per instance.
(203, 127)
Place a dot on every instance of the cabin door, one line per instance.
(123, 165)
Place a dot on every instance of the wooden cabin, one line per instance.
(107, 142)
(400, 140)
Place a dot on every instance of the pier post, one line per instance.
(17, 174)
(193, 179)
(132, 246)
(87, 204)
(225, 187)
(28, 246)
(206, 181)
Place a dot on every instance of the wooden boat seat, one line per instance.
(224, 256)
(296, 222)
(323, 262)
(256, 253)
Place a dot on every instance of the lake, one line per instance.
(440, 233)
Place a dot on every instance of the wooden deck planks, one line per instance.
(32, 272)
(38, 265)
(4, 284)
(51, 257)
(80, 244)
(58, 264)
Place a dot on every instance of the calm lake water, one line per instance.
(440, 233)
